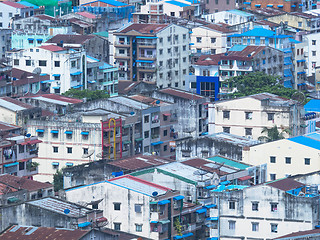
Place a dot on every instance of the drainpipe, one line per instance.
(218, 216)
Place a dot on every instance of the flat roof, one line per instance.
(241, 13)
(235, 139)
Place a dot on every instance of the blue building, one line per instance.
(203, 85)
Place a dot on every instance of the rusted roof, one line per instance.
(219, 28)
(181, 94)
(265, 22)
(140, 162)
(52, 48)
(246, 54)
(23, 183)
(303, 15)
(15, 5)
(201, 163)
(144, 28)
(17, 232)
(4, 189)
(7, 126)
(209, 60)
(122, 235)
(285, 184)
(57, 97)
(45, 17)
(124, 86)
(268, 12)
(16, 102)
(70, 38)
(302, 234)
(24, 77)
(87, 15)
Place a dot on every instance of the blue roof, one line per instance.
(259, 32)
(241, 13)
(28, 4)
(113, 2)
(315, 136)
(237, 48)
(92, 58)
(179, 4)
(312, 106)
(306, 141)
(192, 1)
(293, 40)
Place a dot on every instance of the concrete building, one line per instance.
(10, 10)
(297, 155)
(152, 208)
(310, 234)
(287, 6)
(213, 6)
(230, 17)
(210, 39)
(248, 116)
(5, 42)
(152, 52)
(5, 79)
(264, 211)
(311, 54)
(67, 68)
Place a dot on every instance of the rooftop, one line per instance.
(140, 162)
(311, 140)
(285, 184)
(234, 139)
(143, 28)
(14, 4)
(208, 60)
(58, 206)
(28, 4)
(129, 102)
(229, 162)
(18, 232)
(207, 165)
(69, 38)
(149, 100)
(56, 99)
(312, 106)
(52, 48)
(23, 183)
(303, 15)
(177, 3)
(13, 104)
(241, 13)
(23, 77)
(111, 2)
(7, 126)
(44, 17)
(267, 12)
(301, 235)
(139, 185)
(181, 94)
(218, 27)
(87, 15)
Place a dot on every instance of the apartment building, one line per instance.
(230, 17)
(10, 10)
(287, 6)
(247, 116)
(152, 52)
(67, 68)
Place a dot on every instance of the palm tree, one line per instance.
(273, 134)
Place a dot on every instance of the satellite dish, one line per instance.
(299, 97)
(155, 194)
(132, 113)
(37, 70)
(28, 135)
(89, 154)
(66, 211)
(158, 101)
(99, 155)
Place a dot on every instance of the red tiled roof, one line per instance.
(17, 232)
(181, 94)
(246, 54)
(144, 28)
(52, 48)
(140, 162)
(300, 234)
(4, 189)
(87, 15)
(15, 5)
(209, 60)
(17, 102)
(23, 183)
(285, 184)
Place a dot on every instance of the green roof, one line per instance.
(229, 162)
(102, 34)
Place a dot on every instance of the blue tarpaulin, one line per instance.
(11, 164)
(178, 197)
(163, 202)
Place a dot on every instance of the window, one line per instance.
(288, 160)
(232, 205)
(307, 161)
(10, 15)
(184, 59)
(28, 62)
(176, 84)
(274, 228)
(73, 64)
(248, 115)
(255, 227)
(138, 227)
(21, 148)
(299, 24)
(30, 41)
(165, 148)
(160, 63)
(184, 71)
(137, 208)
(40, 134)
(117, 226)
(213, 51)
(21, 165)
(0, 14)
(169, 50)
(57, 63)
(146, 134)
(55, 134)
(199, 39)
(69, 136)
(248, 131)
(198, 50)
(16, 62)
(121, 51)
(85, 150)
(184, 36)
(274, 207)
(272, 176)
(37, 50)
(69, 149)
(314, 53)
(39, 41)
(314, 42)
(116, 206)
(298, 51)
(176, 49)
(226, 114)
(55, 149)
(272, 159)
(270, 116)
(213, 40)
(165, 132)
(184, 48)
(232, 225)
(42, 63)
(85, 136)
(146, 119)
(226, 129)
(255, 206)
(160, 51)
(160, 40)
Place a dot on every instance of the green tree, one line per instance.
(257, 82)
(58, 181)
(88, 94)
(273, 134)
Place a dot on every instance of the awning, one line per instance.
(69, 164)
(293, 6)
(212, 219)
(163, 202)
(210, 187)
(11, 164)
(153, 202)
(92, 82)
(54, 131)
(56, 87)
(13, 200)
(78, 86)
(164, 221)
(167, 114)
(202, 210)
(139, 139)
(270, 5)
(213, 238)
(47, 81)
(75, 73)
(84, 133)
(178, 197)
(68, 132)
(39, 39)
(225, 182)
(301, 72)
(156, 143)
(301, 60)
(56, 75)
(35, 141)
(30, 39)
(55, 164)
(187, 235)
(245, 178)
(211, 206)
(177, 237)
(146, 37)
(85, 224)
(191, 44)
(126, 142)
(40, 130)
(248, 3)
(154, 222)
(280, 6)
(300, 4)
(258, 5)
(144, 61)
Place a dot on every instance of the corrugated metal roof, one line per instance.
(229, 162)
(301, 235)
(181, 94)
(285, 184)
(312, 106)
(176, 3)
(306, 141)
(11, 106)
(23, 183)
(129, 102)
(58, 206)
(241, 13)
(235, 139)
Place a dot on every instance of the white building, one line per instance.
(67, 68)
(247, 116)
(311, 53)
(231, 17)
(10, 10)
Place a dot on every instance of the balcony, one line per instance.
(122, 56)
(154, 216)
(121, 44)
(226, 67)
(150, 69)
(147, 45)
(147, 57)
